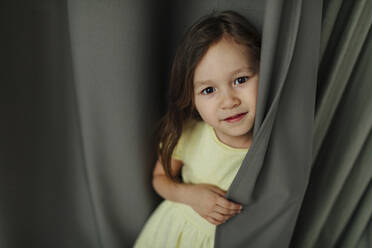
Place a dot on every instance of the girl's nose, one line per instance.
(229, 100)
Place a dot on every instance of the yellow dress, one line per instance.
(205, 160)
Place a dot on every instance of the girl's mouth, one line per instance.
(235, 118)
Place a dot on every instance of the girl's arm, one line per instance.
(168, 189)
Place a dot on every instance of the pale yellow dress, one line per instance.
(206, 160)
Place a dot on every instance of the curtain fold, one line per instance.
(116, 82)
(44, 198)
(345, 55)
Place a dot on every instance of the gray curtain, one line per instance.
(83, 83)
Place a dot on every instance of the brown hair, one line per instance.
(205, 32)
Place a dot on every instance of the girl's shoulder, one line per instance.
(191, 132)
(192, 127)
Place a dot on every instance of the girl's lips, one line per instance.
(235, 118)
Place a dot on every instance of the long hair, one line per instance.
(205, 32)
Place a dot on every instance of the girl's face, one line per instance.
(225, 90)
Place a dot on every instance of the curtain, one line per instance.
(84, 82)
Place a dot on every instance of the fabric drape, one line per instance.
(337, 208)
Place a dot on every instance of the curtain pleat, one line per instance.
(358, 235)
(330, 12)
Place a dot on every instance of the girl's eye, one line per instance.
(241, 80)
(207, 90)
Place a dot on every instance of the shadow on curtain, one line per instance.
(84, 82)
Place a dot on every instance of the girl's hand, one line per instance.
(210, 203)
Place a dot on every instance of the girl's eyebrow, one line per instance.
(245, 69)
(200, 83)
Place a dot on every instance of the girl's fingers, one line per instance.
(221, 201)
(213, 221)
(226, 211)
(219, 191)
(218, 217)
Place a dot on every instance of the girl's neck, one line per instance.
(241, 142)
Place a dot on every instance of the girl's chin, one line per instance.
(235, 132)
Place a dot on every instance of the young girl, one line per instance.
(206, 131)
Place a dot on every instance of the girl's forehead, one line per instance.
(224, 57)
(227, 51)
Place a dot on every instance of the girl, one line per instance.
(206, 131)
